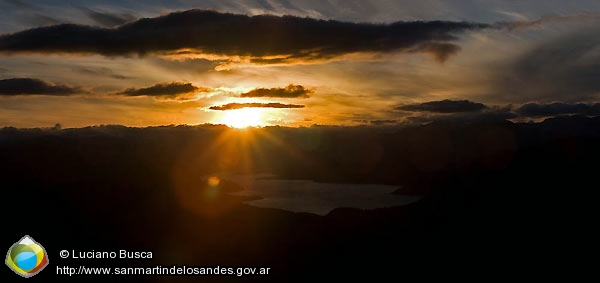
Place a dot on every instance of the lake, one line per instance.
(314, 197)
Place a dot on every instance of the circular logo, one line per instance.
(27, 257)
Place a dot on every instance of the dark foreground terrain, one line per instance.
(499, 197)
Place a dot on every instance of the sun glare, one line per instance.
(242, 118)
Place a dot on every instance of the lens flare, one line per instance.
(213, 181)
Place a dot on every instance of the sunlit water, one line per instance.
(313, 197)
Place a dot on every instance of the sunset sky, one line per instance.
(331, 62)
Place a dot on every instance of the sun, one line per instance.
(242, 118)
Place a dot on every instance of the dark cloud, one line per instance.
(441, 51)
(555, 109)
(290, 91)
(287, 38)
(444, 106)
(382, 122)
(26, 86)
(108, 19)
(173, 89)
(490, 114)
(233, 106)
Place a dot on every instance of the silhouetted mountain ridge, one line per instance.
(491, 189)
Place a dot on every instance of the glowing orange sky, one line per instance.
(497, 67)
